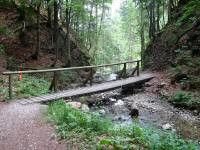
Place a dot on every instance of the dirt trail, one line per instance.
(22, 128)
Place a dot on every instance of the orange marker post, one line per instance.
(20, 73)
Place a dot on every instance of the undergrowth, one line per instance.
(185, 99)
(31, 86)
(191, 10)
(90, 131)
(27, 87)
(6, 3)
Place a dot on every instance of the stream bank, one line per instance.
(153, 111)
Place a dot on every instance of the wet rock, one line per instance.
(119, 103)
(120, 118)
(112, 99)
(161, 85)
(85, 108)
(112, 77)
(138, 90)
(97, 78)
(148, 84)
(134, 112)
(76, 105)
(102, 112)
(167, 126)
(119, 107)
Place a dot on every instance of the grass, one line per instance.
(27, 87)
(90, 131)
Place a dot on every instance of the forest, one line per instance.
(100, 74)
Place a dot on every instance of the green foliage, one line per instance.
(191, 10)
(70, 119)
(67, 77)
(6, 3)
(2, 49)
(180, 97)
(5, 31)
(148, 139)
(74, 124)
(30, 86)
(185, 99)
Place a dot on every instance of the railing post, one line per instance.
(138, 68)
(91, 76)
(124, 70)
(10, 86)
(55, 81)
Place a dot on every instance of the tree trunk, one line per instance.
(158, 17)
(68, 18)
(55, 34)
(169, 10)
(142, 33)
(38, 32)
(49, 14)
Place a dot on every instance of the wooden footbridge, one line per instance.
(97, 88)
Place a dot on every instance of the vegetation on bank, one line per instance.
(186, 73)
(186, 100)
(89, 130)
(29, 86)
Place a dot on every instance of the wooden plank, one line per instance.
(89, 90)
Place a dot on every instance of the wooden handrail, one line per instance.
(66, 69)
(10, 73)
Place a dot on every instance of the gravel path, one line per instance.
(22, 128)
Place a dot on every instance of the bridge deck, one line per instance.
(89, 90)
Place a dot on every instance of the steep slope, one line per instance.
(180, 36)
(20, 45)
(176, 51)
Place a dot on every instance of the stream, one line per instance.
(153, 112)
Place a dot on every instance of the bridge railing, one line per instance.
(55, 71)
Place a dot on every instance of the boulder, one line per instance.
(119, 103)
(167, 126)
(112, 99)
(112, 77)
(119, 107)
(102, 112)
(85, 108)
(134, 112)
(161, 85)
(97, 78)
(76, 105)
